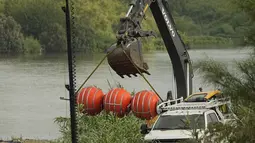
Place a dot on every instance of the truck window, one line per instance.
(209, 120)
(213, 117)
(172, 122)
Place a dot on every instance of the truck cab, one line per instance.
(178, 125)
(177, 120)
(197, 97)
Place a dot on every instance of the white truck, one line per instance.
(177, 121)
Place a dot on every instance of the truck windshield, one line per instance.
(172, 122)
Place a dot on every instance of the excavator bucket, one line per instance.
(127, 59)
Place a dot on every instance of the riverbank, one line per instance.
(25, 141)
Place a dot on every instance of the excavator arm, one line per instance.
(125, 56)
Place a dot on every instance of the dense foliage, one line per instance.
(105, 128)
(199, 22)
(11, 38)
(239, 84)
(31, 45)
(210, 18)
(248, 7)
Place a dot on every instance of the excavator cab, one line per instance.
(126, 58)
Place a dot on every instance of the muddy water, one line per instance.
(30, 87)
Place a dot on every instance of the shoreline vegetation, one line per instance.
(38, 27)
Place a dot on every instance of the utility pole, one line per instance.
(71, 86)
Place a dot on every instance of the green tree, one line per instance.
(96, 23)
(239, 84)
(11, 38)
(1, 6)
(35, 16)
(212, 18)
(32, 46)
(248, 7)
(54, 39)
(42, 19)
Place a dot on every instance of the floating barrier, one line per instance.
(144, 104)
(92, 100)
(117, 100)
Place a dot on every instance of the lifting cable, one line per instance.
(94, 70)
(130, 61)
(142, 75)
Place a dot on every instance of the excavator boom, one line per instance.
(125, 56)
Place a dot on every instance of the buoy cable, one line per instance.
(147, 81)
(85, 81)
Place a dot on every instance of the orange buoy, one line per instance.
(144, 104)
(117, 101)
(92, 99)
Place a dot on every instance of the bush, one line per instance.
(31, 46)
(54, 39)
(11, 38)
(1, 6)
(103, 128)
(239, 84)
(35, 16)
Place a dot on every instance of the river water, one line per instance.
(30, 87)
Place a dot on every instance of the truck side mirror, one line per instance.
(144, 129)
